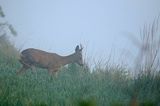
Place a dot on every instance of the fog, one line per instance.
(101, 26)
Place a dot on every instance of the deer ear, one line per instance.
(77, 48)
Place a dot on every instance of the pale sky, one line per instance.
(59, 25)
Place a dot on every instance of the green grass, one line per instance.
(74, 86)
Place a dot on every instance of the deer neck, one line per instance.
(69, 59)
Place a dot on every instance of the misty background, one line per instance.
(103, 27)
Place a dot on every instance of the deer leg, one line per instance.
(22, 70)
(53, 72)
(33, 69)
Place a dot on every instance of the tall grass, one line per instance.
(109, 85)
(75, 86)
(147, 68)
(72, 86)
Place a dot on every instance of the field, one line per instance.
(103, 85)
(75, 86)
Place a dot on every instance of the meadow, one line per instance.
(75, 85)
(103, 85)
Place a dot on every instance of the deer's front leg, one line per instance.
(53, 72)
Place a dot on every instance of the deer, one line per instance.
(51, 61)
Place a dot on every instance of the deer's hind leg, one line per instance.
(23, 68)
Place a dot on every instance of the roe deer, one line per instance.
(50, 61)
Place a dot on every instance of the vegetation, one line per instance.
(77, 86)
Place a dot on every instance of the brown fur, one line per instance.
(50, 61)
